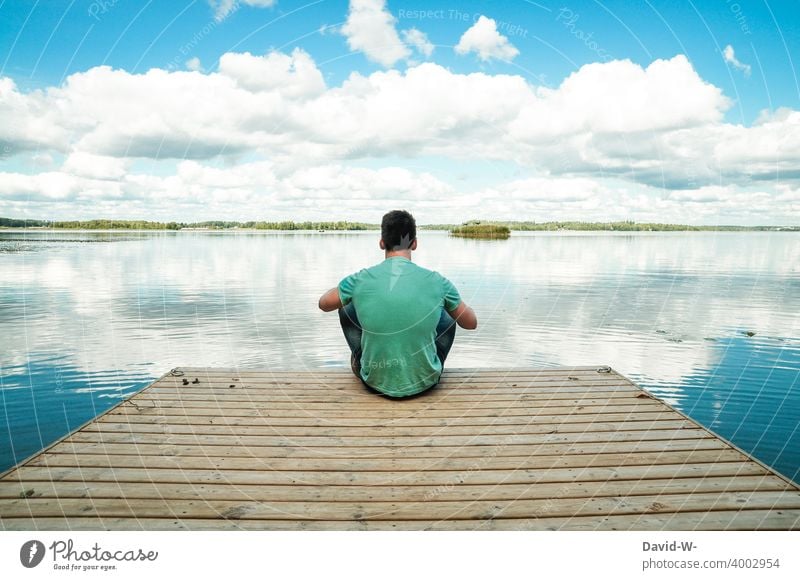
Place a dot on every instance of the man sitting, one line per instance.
(399, 319)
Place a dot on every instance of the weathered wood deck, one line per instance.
(567, 448)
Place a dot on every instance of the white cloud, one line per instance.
(419, 40)
(483, 39)
(614, 116)
(45, 186)
(82, 164)
(265, 190)
(731, 59)
(622, 97)
(267, 129)
(293, 76)
(370, 28)
(27, 120)
(278, 104)
(224, 8)
(243, 189)
(194, 64)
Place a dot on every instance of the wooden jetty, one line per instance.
(512, 449)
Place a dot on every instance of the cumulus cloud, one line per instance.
(419, 40)
(27, 121)
(620, 96)
(44, 186)
(370, 28)
(484, 40)
(293, 76)
(731, 59)
(264, 190)
(224, 8)
(245, 188)
(651, 139)
(194, 64)
(619, 117)
(82, 164)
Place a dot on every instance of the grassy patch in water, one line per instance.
(485, 231)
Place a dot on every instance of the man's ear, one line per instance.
(413, 244)
(382, 244)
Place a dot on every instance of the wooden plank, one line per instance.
(731, 520)
(448, 376)
(350, 385)
(398, 412)
(165, 427)
(475, 476)
(338, 511)
(343, 371)
(129, 414)
(405, 405)
(394, 493)
(447, 383)
(412, 405)
(377, 440)
(324, 395)
(356, 405)
(453, 375)
(598, 449)
(406, 463)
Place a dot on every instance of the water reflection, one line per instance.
(670, 310)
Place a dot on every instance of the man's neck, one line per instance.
(404, 253)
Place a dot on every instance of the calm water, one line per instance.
(89, 318)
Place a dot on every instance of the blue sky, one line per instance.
(43, 42)
(748, 51)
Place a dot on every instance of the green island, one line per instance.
(484, 231)
(472, 228)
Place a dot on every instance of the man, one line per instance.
(399, 319)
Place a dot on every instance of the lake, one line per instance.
(707, 321)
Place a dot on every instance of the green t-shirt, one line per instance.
(398, 305)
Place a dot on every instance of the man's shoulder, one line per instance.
(368, 269)
(431, 275)
(434, 274)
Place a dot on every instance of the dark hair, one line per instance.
(398, 230)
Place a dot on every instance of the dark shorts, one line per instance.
(445, 335)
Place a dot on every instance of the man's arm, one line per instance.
(330, 300)
(465, 316)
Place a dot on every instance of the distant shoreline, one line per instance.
(140, 225)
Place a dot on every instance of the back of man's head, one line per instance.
(398, 230)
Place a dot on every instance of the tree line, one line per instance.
(620, 226)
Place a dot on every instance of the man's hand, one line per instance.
(330, 300)
(465, 316)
